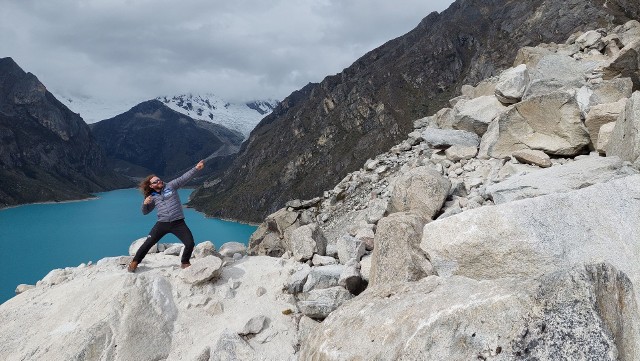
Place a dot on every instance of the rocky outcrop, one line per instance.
(145, 140)
(152, 314)
(322, 132)
(458, 318)
(47, 152)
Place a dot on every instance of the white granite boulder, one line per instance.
(133, 248)
(512, 84)
(588, 312)
(305, 241)
(625, 138)
(397, 255)
(228, 249)
(559, 179)
(539, 235)
(421, 190)
(203, 270)
(551, 123)
(475, 115)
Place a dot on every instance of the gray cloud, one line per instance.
(240, 50)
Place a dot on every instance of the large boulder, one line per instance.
(512, 84)
(539, 235)
(319, 303)
(203, 270)
(475, 115)
(584, 313)
(397, 255)
(305, 241)
(625, 139)
(555, 72)
(550, 123)
(600, 115)
(445, 138)
(559, 179)
(421, 190)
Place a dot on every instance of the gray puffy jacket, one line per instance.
(167, 201)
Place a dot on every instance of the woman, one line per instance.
(165, 198)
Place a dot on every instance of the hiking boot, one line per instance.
(132, 266)
(185, 265)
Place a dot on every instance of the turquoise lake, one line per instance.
(38, 238)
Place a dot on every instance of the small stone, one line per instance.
(260, 291)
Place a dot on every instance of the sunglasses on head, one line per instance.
(156, 181)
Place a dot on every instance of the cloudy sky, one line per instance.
(238, 49)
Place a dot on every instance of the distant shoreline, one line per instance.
(93, 198)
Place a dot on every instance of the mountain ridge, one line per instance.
(319, 133)
(48, 152)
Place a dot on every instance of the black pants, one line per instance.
(160, 229)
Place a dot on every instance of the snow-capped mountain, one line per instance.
(242, 117)
(93, 110)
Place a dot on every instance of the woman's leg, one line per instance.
(185, 236)
(158, 231)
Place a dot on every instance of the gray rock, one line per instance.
(590, 39)
(204, 249)
(534, 157)
(133, 248)
(231, 347)
(625, 63)
(203, 270)
(444, 138)
(366, 235)
(421, 190)
(230, 248)
(512, 84)
(602, 114)
(323, 277)
(254, 326)
(531, 237)
(174, 250)
(320, 303)
(575, 175)
(550, 123)
(458, 152)
(349, 247)
(305, 241)
(365, 267)
(376, 209)
(585, 313)
(475, 115)
(23, 288)
(604, 136)
(625, 140)
(297, 280)
(318, 260)
(397, 256)
(351, 279)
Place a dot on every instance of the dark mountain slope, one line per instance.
(323, 131)
(152, 138)
(47, 152)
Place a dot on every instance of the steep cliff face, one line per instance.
(47, 152)
(323, 131)
(152, 138)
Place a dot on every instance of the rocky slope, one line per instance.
(322, 132)
(151, 138)
(491, 232)
(47, 153)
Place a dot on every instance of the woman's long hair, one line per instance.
(145, 186)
